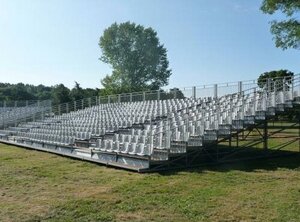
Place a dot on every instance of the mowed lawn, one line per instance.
(38, 186)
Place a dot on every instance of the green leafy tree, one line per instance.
(89, 92)
(20, 92)
(172, 93)
(77, 92)
(278, 78)
(43, 92)
(177, 93)
(286, 33)
(138, 60)
(112, 85)
(60, 94)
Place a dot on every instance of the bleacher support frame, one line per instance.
(214, 158)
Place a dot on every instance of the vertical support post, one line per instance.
(119, 98)
(16, 103)
(99, 102)
(67, 108)
(215, 90)
(194, 92)
(254, 105)
(75, 105)
(130, 97)
(59, 109)
(144, 96)
(108, 97)
(237, 138)
(82, 103)
(158, 94)
(240, 87)
(90, 102)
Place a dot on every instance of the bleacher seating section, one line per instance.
(137, 135)
(10, 116)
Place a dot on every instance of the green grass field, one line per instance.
(37, 186)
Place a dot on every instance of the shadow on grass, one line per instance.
(242, 159)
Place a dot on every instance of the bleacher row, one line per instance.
(109, 119)
(151, 128)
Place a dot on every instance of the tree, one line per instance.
(278, 78)
(286, 33)
(43, 92)
(19, 92)
(112, 85)
(60, 94)
(138, 60)
(171, 94)
(89, 92)
(77, 92)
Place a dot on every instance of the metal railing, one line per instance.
(213, 90)
(13, 115)
(23, 103)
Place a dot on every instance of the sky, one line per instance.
(208, 41)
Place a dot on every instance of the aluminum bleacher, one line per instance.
(139, 134)
(14, 112)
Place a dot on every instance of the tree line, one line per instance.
(61, 94)
(58, 93)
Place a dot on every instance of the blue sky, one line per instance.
(208, 41)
